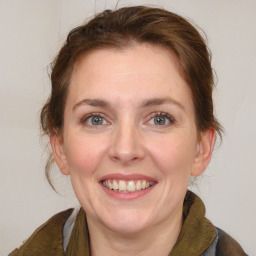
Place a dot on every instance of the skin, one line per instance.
(128, 141)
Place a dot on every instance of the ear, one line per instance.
(204, 152)
(59, 154)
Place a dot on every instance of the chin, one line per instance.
(127, 222)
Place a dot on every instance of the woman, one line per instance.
(130, 119)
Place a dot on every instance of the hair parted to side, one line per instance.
(120, 29)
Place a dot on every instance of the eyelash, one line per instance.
(170, 118)
(165, 115)
(85, 118)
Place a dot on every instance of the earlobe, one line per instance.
(59, 154)
(204, 152)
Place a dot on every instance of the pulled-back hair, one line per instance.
(120, 29)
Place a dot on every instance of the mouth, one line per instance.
(127, 186)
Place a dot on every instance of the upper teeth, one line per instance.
(127, 186)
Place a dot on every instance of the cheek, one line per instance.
(174, 154)
(84, 153)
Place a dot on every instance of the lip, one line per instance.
(127, 196)
(126, 177)
(130, 195)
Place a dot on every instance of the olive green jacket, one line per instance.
(198, 237)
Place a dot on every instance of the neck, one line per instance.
(157, 240)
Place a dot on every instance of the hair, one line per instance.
(123, 28)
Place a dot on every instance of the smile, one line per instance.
(129, 186)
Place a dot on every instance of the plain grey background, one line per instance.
(32, 32)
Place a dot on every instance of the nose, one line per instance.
(126, 144)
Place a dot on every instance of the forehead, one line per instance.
(131, 74)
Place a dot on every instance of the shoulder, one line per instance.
(228, 246)
(41, 242)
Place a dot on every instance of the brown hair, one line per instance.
(119, 29)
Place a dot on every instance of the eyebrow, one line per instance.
(146, 103)
(160, 101)
(92, 102)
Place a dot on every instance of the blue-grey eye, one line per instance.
(160, 120)
(96, 120)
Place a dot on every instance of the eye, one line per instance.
(96, 119)
(161, 119)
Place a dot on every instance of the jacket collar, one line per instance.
(197, 233)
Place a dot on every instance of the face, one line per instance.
(130, 142)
